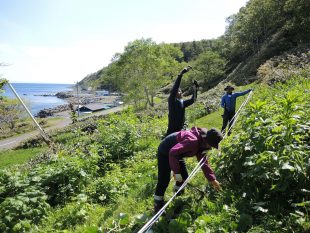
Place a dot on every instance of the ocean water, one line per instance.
(31, 94)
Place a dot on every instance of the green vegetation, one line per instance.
(259, 31)
(13, 118)
(26, 125)
(13, 157)
(102, 176)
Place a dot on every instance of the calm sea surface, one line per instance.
(30, 93)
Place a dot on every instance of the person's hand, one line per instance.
(185, 70)
(178, 177)
(196, 84)
(216, 185)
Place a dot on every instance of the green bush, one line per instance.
(107, 189)
(123, 135)
(269, 159)
(17, 213)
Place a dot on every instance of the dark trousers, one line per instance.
(164, 170)
(227, 117)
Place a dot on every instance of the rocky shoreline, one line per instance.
(81, 99)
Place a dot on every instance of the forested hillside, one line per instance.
(259, 31)
(100, 176)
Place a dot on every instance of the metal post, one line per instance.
(78, 99)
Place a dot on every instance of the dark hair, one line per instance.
(229, 87)
(214, 137)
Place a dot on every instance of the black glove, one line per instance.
(196, 83)
(185, 70)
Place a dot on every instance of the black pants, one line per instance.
(227, 117)
(164, 170)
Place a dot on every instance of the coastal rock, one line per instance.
(64, 95)
(50, 111)
(44, 113)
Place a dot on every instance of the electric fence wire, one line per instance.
(151, 222)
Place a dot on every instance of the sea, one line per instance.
(31, 94)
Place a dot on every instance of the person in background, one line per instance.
(176, 105)
(171, 153)
(228, 102)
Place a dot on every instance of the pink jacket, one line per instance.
(190, 143)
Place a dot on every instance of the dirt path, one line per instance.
(10, 143)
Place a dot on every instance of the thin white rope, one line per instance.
(150, 223)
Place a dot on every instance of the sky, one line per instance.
(62, 41)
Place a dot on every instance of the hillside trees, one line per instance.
(142, 69)
(209, 68)
(253, 24)
(192, 49)
(260, 20)
(297, 19)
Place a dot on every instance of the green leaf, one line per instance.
(286, 166)
(82, 173)
(176, 227)
(141, 217)
(123, 219)
(36, 178)
(302, 204)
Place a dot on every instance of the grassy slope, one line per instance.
(13, 157)
(28, 126)
(141, 180)
(139, 175)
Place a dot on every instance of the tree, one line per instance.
(10, 112)
(209, 68)
(10, 109)
(142, 69)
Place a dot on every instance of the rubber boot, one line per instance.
(176, 188)
(158, 204)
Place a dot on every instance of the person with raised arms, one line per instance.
(176, 105)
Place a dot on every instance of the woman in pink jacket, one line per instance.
(171, 153)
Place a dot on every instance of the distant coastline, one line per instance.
(39, 96)
(47, 100)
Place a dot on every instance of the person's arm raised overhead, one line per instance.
(194, 96)
(177, 83)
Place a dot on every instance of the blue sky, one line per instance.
(61, 41)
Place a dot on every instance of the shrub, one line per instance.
(269, 159)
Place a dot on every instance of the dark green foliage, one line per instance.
(121, 138)
(107, 189)
(269, 159)
(61, 180)
(260, 20)
(73, 214)
(21, 204)
(2, 82)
